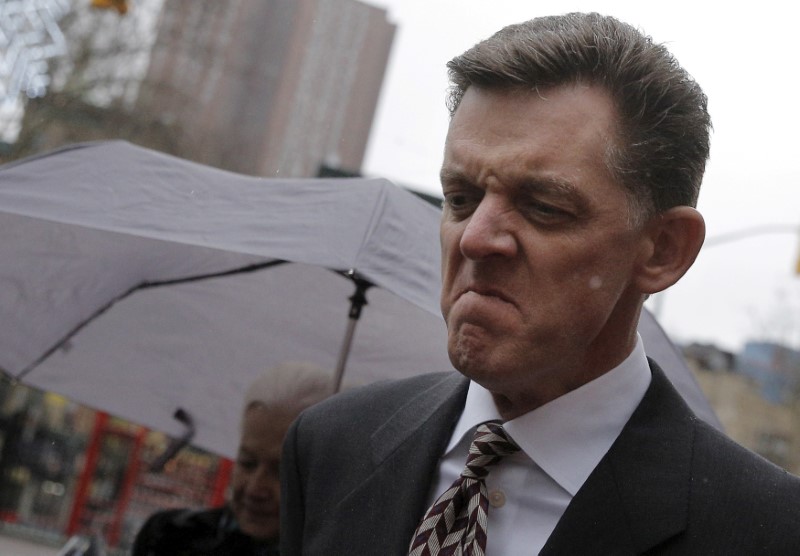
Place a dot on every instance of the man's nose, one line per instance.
(489, 230)
(264, 484)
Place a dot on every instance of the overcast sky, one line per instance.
(746, 63)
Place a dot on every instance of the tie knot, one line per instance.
(490, 444)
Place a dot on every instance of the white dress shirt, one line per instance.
(562, 442)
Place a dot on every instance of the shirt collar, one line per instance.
(568, 436)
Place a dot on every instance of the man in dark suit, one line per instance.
(572, 165)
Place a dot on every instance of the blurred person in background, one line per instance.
(249, 523)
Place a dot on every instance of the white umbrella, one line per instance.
(140, 284)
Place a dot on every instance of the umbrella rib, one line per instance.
(242, 270)
(144, 285)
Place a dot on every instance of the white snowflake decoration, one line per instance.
(29, 35)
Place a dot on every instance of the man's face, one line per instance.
(256, 475)
(537, 253)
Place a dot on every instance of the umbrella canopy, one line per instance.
(139, 283)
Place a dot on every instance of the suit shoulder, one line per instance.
(726, 468)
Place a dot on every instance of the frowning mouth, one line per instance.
(261, 512)
(487, 292)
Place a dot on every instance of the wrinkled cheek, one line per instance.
(584, 277)
(447, 289)
(608, 286)
(449, 272)
(590, 283)
(592, 300)
(595, 282)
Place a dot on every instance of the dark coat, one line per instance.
(358, 468)
(182, 532)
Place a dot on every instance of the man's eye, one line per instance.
(246, 464)
(546, 212)
(455, 201)
(546, 209)
(459, 202)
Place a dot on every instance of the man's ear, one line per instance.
(675, 239)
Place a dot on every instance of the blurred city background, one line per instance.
(287, 88)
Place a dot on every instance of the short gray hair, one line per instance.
(663, 126)
(293, 385)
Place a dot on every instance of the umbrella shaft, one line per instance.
(344, 352)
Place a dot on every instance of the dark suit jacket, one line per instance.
(358, 468)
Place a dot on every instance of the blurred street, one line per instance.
(12, 546)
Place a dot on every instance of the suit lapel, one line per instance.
(430, 415)
(638, 495)
(405, 452)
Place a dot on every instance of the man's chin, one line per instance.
(263, 525)
(260, 531)
(469, 345)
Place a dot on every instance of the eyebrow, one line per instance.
(550, 185)
(450, 176)
(245, 451)
(534, 184)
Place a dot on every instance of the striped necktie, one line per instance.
(456, 523)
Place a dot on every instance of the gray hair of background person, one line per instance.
(663, 130)
(293, 386)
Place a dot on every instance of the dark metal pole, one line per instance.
(357, 302)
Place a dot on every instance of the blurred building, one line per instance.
(776, 368)
(709, 357)
(753, 416)
(259, 87)
(269, 87)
